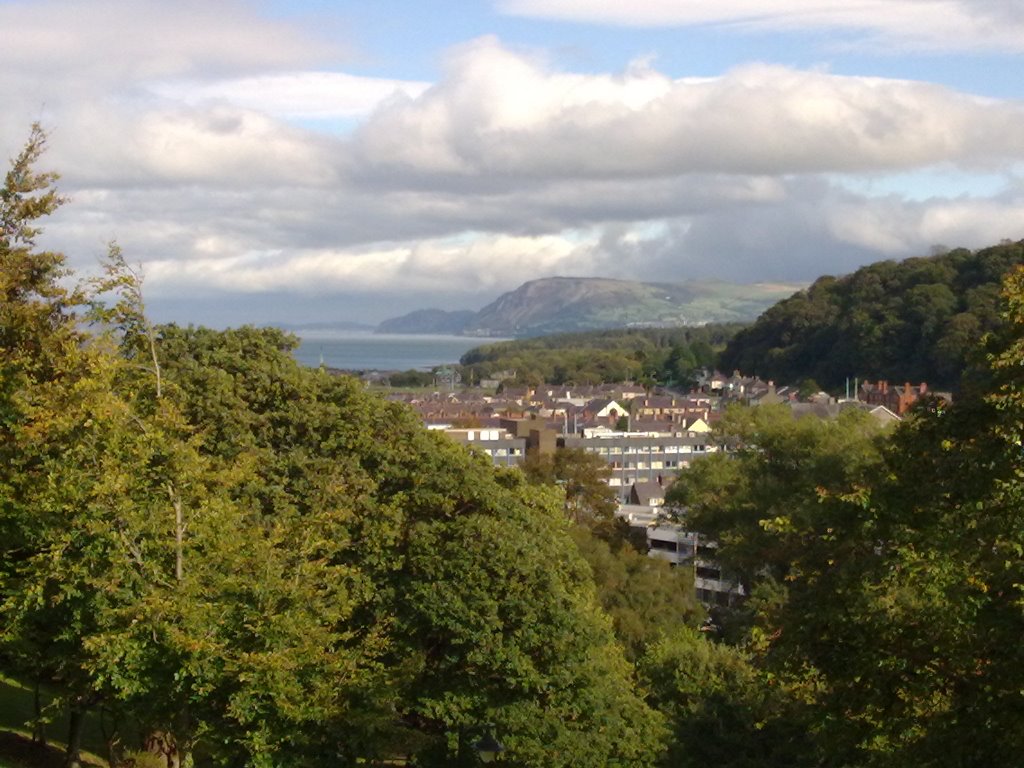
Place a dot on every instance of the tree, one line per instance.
(722, 710)
(269, 564)
(934, 601)
(645, 597)
(502, 615)
(422, 521)
(681, 365)
(761, 501)
(808, 388)
(412, 378)
(916, 320)
(599, 356)
(42, 365)
(583, 477)
(895, 607)
(488, 609)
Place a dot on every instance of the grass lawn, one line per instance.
(16, 747)
(18, 751)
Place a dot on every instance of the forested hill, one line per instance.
(648, 355)
(915, 320)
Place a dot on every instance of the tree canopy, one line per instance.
(653, 355)
(886, 571)
(916, 320)
(258, 563)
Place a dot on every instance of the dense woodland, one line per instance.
(239, 561)
(652, 356)
(914, 320)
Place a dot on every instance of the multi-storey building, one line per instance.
(685, 549)
(504, 449)
(637, 457)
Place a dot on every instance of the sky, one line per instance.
(306, 161)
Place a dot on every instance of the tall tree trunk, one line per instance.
(73, 754)
(38, 726)
(112, 738)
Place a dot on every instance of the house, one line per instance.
(649, 493)
(520, 394)
(897, 399)
(768, 396)
(696, 426)
(603, 408)
(654, 426)
(657, 407)
(629, 391)
(538, 434)
(882, 414)
(601, 411)
(714, 382)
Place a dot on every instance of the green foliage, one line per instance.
(44, 388)
(503, 618)
(808, 388)
(935, 602)
(267, 564)
(645, 597)
(890, 602)
(478, 618)
(411, 378)
(663, 355)
(918, 320)
(723, 711)
(764, 501)
(583, 479)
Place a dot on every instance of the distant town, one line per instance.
(645, 437)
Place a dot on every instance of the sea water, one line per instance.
(366, 351)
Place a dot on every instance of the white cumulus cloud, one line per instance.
(313, 95)
(501, 113)
(916, 24)
(184, 131)
(485, 263)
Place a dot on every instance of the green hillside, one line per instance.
(575, 304)
(567, 304)
(915, 320)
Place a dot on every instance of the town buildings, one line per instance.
(645, 438)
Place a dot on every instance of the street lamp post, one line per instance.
(485, 749)
(488, 747)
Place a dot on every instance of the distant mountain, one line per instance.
(567, 304)
(429, 321)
